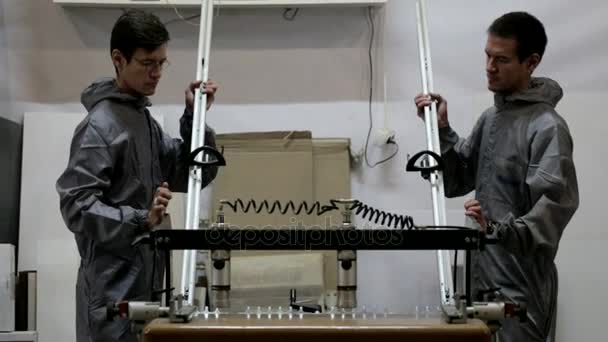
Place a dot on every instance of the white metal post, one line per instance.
(198, 139)
(432, 139)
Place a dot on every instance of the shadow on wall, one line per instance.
(10, 181)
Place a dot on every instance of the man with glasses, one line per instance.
(121, 171)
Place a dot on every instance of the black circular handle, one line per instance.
(412, 167)
(216, 160)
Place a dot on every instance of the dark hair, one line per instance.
(137, 29)
(526, 29)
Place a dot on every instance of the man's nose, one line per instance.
(156, 73)
(490, 65)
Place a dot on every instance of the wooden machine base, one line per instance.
(313, 328)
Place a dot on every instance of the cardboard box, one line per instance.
(283, 166)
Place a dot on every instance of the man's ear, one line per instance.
(532, 62)
(118, 60)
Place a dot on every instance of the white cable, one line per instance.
(179, 14)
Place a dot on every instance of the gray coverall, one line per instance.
(518, 159)
(118, 157)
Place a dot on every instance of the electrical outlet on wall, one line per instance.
(384, 136)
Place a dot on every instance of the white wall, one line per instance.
(312, 73)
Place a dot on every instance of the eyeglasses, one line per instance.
(150, 64)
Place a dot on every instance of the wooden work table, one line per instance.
(315, 328)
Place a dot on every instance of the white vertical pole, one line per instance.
(198, 139)
(432, 138)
